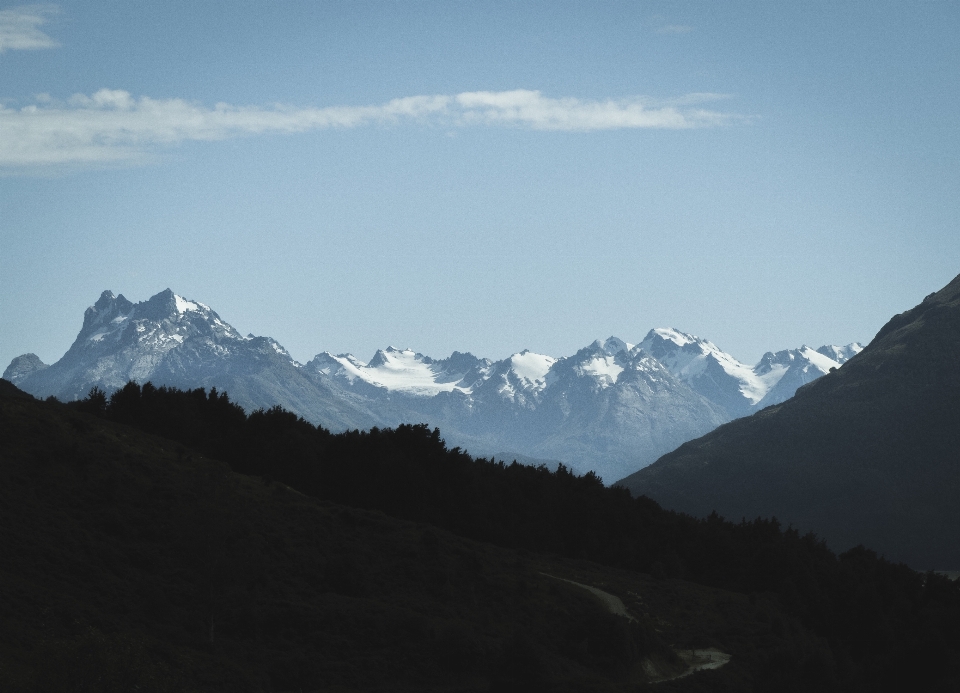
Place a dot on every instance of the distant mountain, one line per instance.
(788, 370)
(612, 407)
(735, 386)
(172, 341)
(608, 408)
(867, 454)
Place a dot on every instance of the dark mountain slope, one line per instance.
(132, 563)
(868, 454)
(842, 617)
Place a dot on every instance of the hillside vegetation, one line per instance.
(166, 537)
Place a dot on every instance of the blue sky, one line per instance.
(483, 177)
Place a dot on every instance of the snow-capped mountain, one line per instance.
(401, 370)
(617, 407)
(841, 354)
(787, 370)
(172, 341)
(612, 407)
(739, 388)
(707, 369)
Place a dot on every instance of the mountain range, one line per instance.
(611, 408)
(865, 455)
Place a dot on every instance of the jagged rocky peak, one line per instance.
(107, 308)
(324, 360)
(463, 361)
(670, 387)
(611, 346)
(22, 366)
(661, 342)
(803, 356)
(841, 354)
(531, 366)
(384, 357)
(168, 305)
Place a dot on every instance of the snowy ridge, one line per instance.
(689, 357)
(604, 369)
(788, 370)
(612, 407)
(721, 378)
(524, 378)
(396, 370)
(531, 368)
(841, 354)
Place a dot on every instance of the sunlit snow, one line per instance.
(694, 354)
(603, 369)
(531, 367)
(824, 363)
(183, 305)
(401, 370)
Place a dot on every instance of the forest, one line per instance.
(876, 625)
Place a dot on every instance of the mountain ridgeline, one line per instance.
(611, 408)
(867, 454)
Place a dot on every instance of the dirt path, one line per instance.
(696, 660)
(613, 603)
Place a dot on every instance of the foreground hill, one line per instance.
(147, 558)
(867, 454)
(611, 408)
(133, 563)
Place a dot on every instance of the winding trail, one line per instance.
(696, 660)
(613, 603)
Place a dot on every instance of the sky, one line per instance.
(480, 176)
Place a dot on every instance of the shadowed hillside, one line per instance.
(133, 558)
(130, 561)
(868, 454)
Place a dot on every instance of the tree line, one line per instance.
(881, 623)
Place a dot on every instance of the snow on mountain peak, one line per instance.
(817, 358)
(841, 354)
(671, 335)
(691, 359)
(604, 369)
(783, 372)
(531, 367)
(613, 346)
(183, 305)
(399, 370)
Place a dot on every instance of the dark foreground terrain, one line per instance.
(165, 541)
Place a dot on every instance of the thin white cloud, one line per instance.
(532, 109)
(19, 28)
(113, 126)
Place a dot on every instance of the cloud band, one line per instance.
(112, 125)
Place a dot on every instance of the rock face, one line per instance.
(612, 407)
(22, 367)
(740, 389)
(171, 341)
(870, 453)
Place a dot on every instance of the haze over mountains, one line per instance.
(612, 407)
(867, 454)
